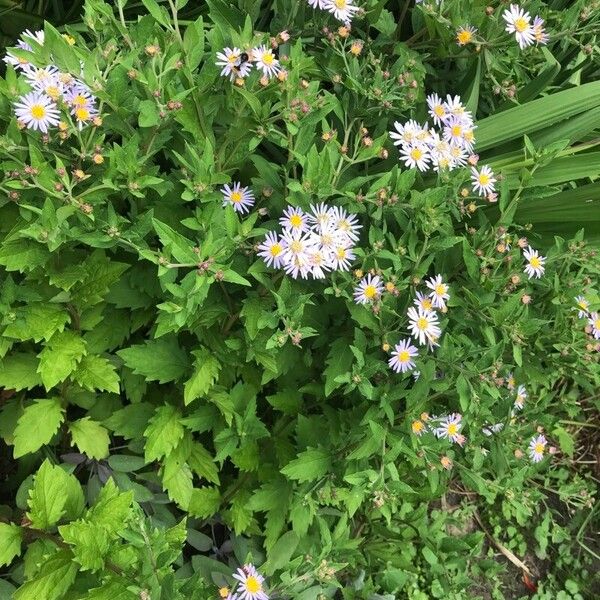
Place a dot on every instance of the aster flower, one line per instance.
(541, 37)
(401, 360)
(79, 96)
(535, 263)
(455, 107)
(37, 111)
(537, 445)
(518, 22)
(437, 110)
(424, 325)
(294, 218)
(343, 10)
(345, 223)
(271, 250)
(406, 133)
(39, 77)
(241, 198)
(415, 156)
(449, 428)
(458, 154)
(231, 64)
(583, 306)
(250, 584)
(320, 216)
(342, 258)
(418, 428)
(83, 115)
(319, 263)
(265, 61)
(483, 181)
(491, 429)
(368, 290)
(520, 398)
(464, 35)
(594, 322)
(22, 44)
(423, 302)
(298, 249)
(439, 291)
(454, 130)
(510, 381)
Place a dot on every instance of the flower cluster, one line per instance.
(518, 22)
(593, 318)
(248, 585)
(423, 147)
(52, 91)
(312, 243)
(343, 10)
(237, 64)
(444, 427)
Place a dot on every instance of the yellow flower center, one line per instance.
(231, 59)
(296, 221)
(521, 24)
(464, 36)
(452, 429)
(268, 58)
(534, 261)
(403, 356)
(275, 249)
(37, 111)
(484, 179)
(583, 304)
(344, 225)
(253, 585)
(341, 253)
(296, 246)
(456, 130)
(82, 114)
(53, 92)
(417, 426)
(341, 4)
(468, 135)
(422, 323)
(426, 304)
(440, 289)
(236, 197)
(439, 110)
(416, 154)
(539, 448)
(597, 324)
(370, 292)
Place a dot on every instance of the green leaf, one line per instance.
(52, 581)
(204, 502)
(60, 356)
(18, 371)
(47, 498)
(97, 373)
(90, 437)
(179, 246)
(159, 14)
(206, 371)
(90, 543)
(37, 425)
(131, 421)
(11, 536)
(163, 433)
(339, 360)
(311, 464)
(193, 43)
(149, 115)
(37, 321)
(281, 553)
(203, 464)
(159, 360)
(112, 509)
(22, 255)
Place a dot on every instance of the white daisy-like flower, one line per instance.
(250, 584)
(23, 44)
(79, 96)
(231, 65)
(320, 216)
(491, 429)
(464, 35)
(541, 37)
(439, 291)
(346, 223)
(583, 306)
(594, 323)
(424, 325)
(418, 427)
(406, 133)
(37, 111)
(455, 108)
(328, 239)
(342, 258)
(322, 4)
(537, 445)
(83, 115)
(368, 290)
(437, 110)
(459, 155)
(423, 302)
(441, 160)
(265, 61)
(454, 130)
(294, 218)
(520, 397)
(241, 198)
(518, 22)
(296, 256)
(483, 181)
(449, 428)
(401, 360)
(535, 263)
(271, 250)
(343, 10)
(39, 77)
(319, 262)
(415, 156)
(510, 381)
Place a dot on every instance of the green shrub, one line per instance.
(174, 407)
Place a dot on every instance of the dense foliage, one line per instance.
(178, 401)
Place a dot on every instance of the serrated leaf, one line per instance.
(90, 438)
(11, 536)
(97, 373)
(159, 360)
(18, 371)
(46, 498)
(204, 502)
(37, 321)
(52, 581)
(203, 464)
(60, 356)
(281, 552)
(178, 245)
(311, 464)
(163, 433)
(112, 508)
(90, 543)
(131, 421)
(206, 371)
(339, 360)
(37, 425)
